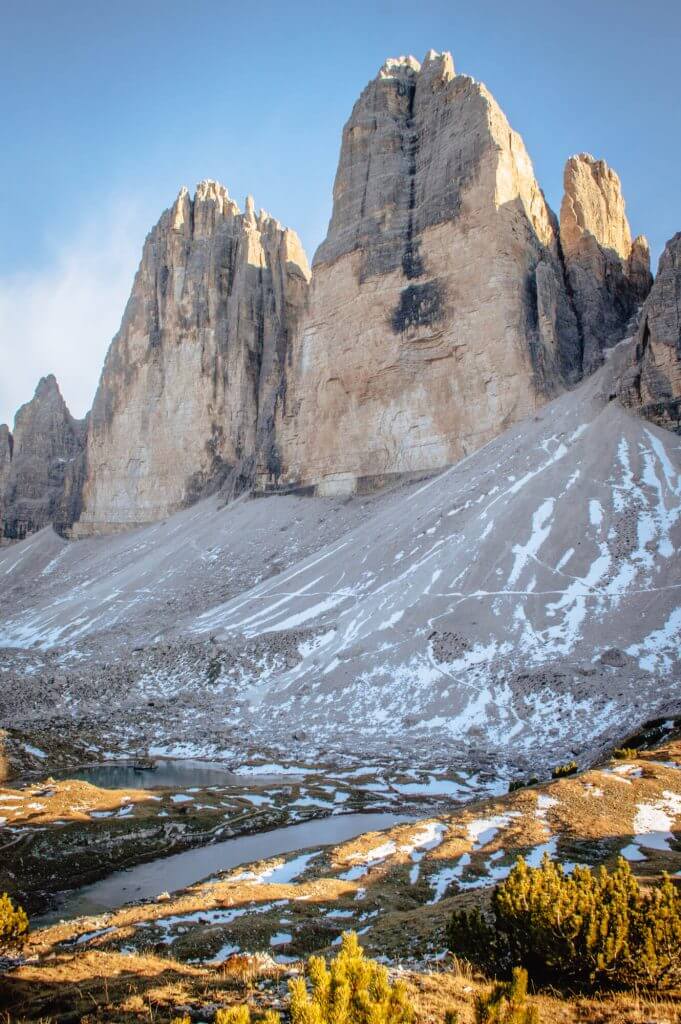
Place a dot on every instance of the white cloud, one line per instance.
(61, 318)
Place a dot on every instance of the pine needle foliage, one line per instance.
(351, 990)
(562, 770)
(13, 924)
(584, 930)
(242, 1015)
(507, 1003)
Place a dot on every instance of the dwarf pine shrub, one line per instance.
(590, 928)
(473, 937)
(625, 753)
(13, 924)
(351, 990)
(561, 770)
(517, 784)
(242, 1015)
(507, 1003)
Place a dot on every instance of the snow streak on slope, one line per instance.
(528, 597)
(518, 595)
(136, 586)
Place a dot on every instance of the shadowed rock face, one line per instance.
(40, 464)
(609, 275)
(187, 396)
(652, 383)
(6, 444)
(438, 311)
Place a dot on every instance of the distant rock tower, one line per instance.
(41, 465)
(609, 275)
(187, 397)
(438, 311)
(652, 383)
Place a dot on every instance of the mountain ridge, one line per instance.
(446, 302)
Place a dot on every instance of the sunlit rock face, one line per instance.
(608, 273)
(444, 305)
(187, 397)
(40, 465)
(438, 312)
(652, 382)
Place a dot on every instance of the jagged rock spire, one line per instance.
(652, 383)
(438, 312)
(609, 274)
(187, 396)
(40, 463)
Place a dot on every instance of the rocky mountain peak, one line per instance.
(187, 397)
(436, 67)
(40, 464)
(608, 273)
(593, 204)
(6, 445)
(47, 388)
(652, 382)
(439, 309)
(446, 303)
(399, 68)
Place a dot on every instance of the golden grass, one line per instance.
(101, 986)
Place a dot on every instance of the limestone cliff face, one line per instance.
(39, 464)
(187, 397)
(438, 312)
(6, 443)
(444, 305)
(609, 275)
(652, 383)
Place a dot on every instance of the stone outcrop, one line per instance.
(652, 382)
(186, 402)
(438, 312)
(40, 464)
(6, 444)
(608, 273)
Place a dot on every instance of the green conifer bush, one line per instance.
(587, 929)
(507, 1003)
(351, 990)
(13, 924)
(570, 768)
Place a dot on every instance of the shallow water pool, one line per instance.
(170, 774)
(146, 881)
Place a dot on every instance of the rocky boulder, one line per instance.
(40, 464)
(652, 381)
(438, 310)
(186, 402)
(608, 273)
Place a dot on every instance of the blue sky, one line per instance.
(107, 108)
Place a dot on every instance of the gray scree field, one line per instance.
(517, 610)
